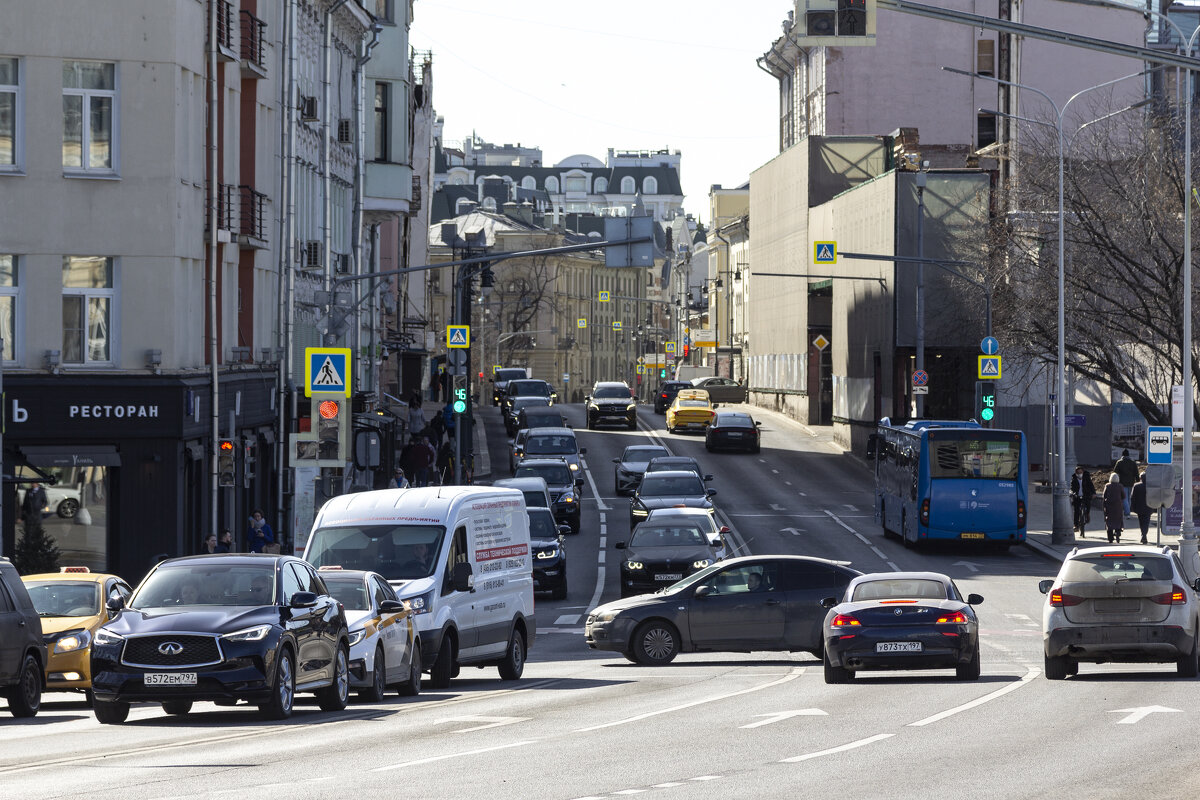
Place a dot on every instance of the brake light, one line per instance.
(1176, 597)
(925, 511)
(893, 602)
(844, 621)
(1058, 599)
(955, 618)
(1020, 513)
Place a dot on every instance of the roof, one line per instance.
(550, 431)
(429, 504)
(82, 577)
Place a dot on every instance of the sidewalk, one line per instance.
(1039, 532)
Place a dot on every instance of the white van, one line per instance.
(458, 555)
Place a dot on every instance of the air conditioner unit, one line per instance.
(310, 254)
(343, 131)
(342, 262)
(308, 108)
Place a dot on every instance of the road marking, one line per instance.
(1025, 679)
(568, 619)
(879, 552)
(446, 756)
(707, 778)
(631, 791)
(775, 471)
(853, 509)
(602, 555)
(665, 785)
(777, 507)
(792, 531)
(489, 722)
(787, 483)
(762, 460)
(596, 492)
(603, 529)
(1136, 715)
(836, 519)
(791, 676)
(862, 538)
(780, 716)
(879, 737)
(1023, 618)
(971, 565)
(893, 566)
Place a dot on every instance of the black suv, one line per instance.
(22, 653)
(664, 395)
(611, 401)
(223, 628)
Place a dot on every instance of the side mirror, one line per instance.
(703, 591)
(583, 451)
(303, 600)
(563, 530)
(391, 607)
(829, 602)
(1196, 584)
(619, 545)
(462, 579)
(757, 423)
(974, 599)
(716, 545)
(708, 477)
(587, 398)
(1044, 586)
(724, 529)
(579, 483)
(117, 603)
(716, 405)
(616, 461)
(709, 492)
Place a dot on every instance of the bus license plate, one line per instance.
(669, 577)
(898, 647)
(973, 536)
(169, 678)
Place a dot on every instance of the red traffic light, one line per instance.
(328, 409)
(225, 446)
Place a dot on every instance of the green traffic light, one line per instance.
(459, 406)
(987, 414)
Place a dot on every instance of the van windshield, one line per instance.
(397, 552)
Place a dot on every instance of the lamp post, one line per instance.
(1062, 527)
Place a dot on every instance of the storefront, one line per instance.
(130, 459)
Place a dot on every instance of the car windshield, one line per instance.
(668, 486)
(351, 593)
(635, 454)
(510, 374)
(207, 582)
(64, 598)
(529, 388)
(553, 474)
(680, 536)
(1115, 567)
(536, 419)
(527, 401)
(542, 526)
(397, 552)
(735, 421)
(673, 516)
(612, 393)
(551, 444)
(665, 466)
(896, 588)
(534, 498)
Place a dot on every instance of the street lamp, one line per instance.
(1062, 527)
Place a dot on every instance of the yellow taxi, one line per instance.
(72, 604)
(690, 410)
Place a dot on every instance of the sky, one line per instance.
(572, 77)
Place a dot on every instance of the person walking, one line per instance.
(425, 459)
(35, 504)
(445, 463)
(1138, 503)
(1127, 472)
(225, 545)
(1082, 492)
(416, 414)
(210, 545)
(1114, 507)
(259, 533)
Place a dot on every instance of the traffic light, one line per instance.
(226, 466)
(248, 458)
(328, 420)
(836, 23)
(460, 400)
(985, 401)
(662, 373)
(852, 18)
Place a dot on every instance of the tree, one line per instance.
(527, 292)
(36, 551)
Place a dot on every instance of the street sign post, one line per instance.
(990, 346)
(820, 342)
(605, 297)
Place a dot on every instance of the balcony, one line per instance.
(254, 64)
(225, 29)
(225, 206)
(252, 226)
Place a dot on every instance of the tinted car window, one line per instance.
(529, 388)
(643, 453)
(509, 374)
(899, 588)
(533, 498)
(655, 486)
(612, 392)
(667, 537)
(542, 526)
(747, 578)
(1111, 569)
(6, 604)
(291, 584)
(219, 584)
(553, 474)
(800, 575)
(735, 421)
(526, 401)
(553, 445)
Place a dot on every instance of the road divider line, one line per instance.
(595, 492)
(838, 520)
(893, 566)
(1025, 679)
(862, 538)
(879, 737)
(879, 552)
(446, 756)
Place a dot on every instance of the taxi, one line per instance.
(72, 604)
(385, 650)
(690, 410)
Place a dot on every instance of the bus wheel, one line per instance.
(888, 533)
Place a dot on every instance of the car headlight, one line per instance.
(640, 511)
(255, 634)
(551, 553)
(357, 636)
(567, 498)
(421, 604)
(631, 407)
(593, 406)
(634, 565)
(701, 564)
(71, 641)
(574, 467)
(104, 636)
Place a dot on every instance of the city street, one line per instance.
(583, 724)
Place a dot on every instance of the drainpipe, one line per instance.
(326, 112)
(213, 224)
(356, 222)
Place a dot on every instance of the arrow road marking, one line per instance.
(792, 531)
(971, 565)
(780, 716)
(490, 722)
(776, 507)
(1136, 715)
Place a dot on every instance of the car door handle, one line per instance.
(20, 623)
(772, 602)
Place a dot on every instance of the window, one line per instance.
(87, 309)
(10, 113)
(985, 132)
(552, 184)
(383, 93)
(89, 124)
(649, 185)
(385, 10)
(489, 204)
(291, 582)
(8, 305)
(601, 185)
(985, 56)
(529, 182)
(576, 183)
(457, 555)
(628, 185)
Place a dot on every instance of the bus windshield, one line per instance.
(974, 458)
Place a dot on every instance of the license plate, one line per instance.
(169, 679)
(966, 535)
(898, 647)
(671, 577)
(734, 435)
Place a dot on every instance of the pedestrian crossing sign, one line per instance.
(824, 252)
(581, 322)
(616, 325)
(605, 297)
(989, 368)
(326, 370)
(458, 336)
(669, 348)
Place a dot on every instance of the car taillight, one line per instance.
(1176, 597)
(1020, 513)
(664, 395)
(844, 621)
(954, 618)
(925, 511)
(1060, 599)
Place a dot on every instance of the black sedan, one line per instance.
(721, 390)
(901, 620)
(676, 489)
(223, 628)
(659, 555)
(732, 430)
(670, 463)
(665, 394)
(514, 408)
(632, 464)
(549, 553)
(740, 605)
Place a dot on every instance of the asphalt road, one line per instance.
(584, 724)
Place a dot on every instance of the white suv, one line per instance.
(1127, 604)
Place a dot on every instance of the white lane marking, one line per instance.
(794, 516)
(762, 460)
(791, 676)
(802, 494)
(862, 538)
(603, 529)
(777, 507)
(792, 531)
(971, 565)
(602, 555)
(775, 471)
(853, 509)
(879, 737)
(893, 566)
(489, 722)
(1024, 619)
(568, 619)
(1136, 715)
(665, 785)
(707, 778)
(787, 483)
(1025, 679)
(879, 552)
(631, 791)
(780, 716)
(836, 519)
(596, 492)
(446, 756)
(548, 631)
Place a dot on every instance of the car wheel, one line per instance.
(655, 643)
(1056, 668)
(68, 508)
(110, 713)
(25, 698)
(630, 655)
(1189, 665)
(560, 591)
(757, 449)
(412, 686)
(375, 693)
(590, 425)
(970, 670)
(87, 697)
(177, 708)
(633, 424)
(440, 674)
(283, 693)
(513, 664)
(335, 696)
(836, 674)
(1072, 666)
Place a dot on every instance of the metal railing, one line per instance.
(253, 36)
(225, 202)
(252, 213)
(224, 24)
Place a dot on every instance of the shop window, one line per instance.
(74, 514)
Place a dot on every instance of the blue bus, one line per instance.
(951, 480)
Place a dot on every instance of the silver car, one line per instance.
(1129, 604)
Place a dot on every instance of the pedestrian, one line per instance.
(416, 414)
(437, 427)
(35, 503)
(423, 459)
(1127, 472)
(225, 543)
(210, 544)
(448, 417)
(1082, 491)
(1138, 503)
(408, 458)
(259, 533)
(1114, 507)
(398, 481)
(445, 463)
